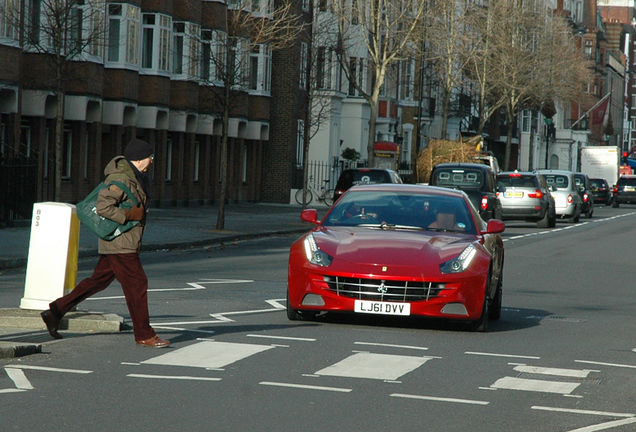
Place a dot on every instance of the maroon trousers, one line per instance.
(130, 274)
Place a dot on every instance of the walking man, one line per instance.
(119, 258)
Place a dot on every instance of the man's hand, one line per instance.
(135, 213)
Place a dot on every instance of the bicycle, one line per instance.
(325, 194)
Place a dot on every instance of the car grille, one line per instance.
(384, 290)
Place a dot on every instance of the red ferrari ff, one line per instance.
(398, 249)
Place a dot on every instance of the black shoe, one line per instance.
(52, 324)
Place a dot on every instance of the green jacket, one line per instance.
(108, 206)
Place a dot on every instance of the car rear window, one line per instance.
(597, 183)
(560, 181)
(627, 181)
(517, 181)
(462, 177)
(352, 178)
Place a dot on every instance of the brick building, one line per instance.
(151, 71)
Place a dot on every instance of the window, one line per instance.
(300, 143)
(197, 155)
(67, 152)
(260, 68)
(123, 34)
(305, 5)
(302, 82)
(408, 84)
(320, 68)
(9, 18)
(33, 18)
(244, 168)
(322, 5)
(185, 51)
(588, 49)
(178, 32)
(156, 42)
(526, 117)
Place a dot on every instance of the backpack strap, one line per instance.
(126, 190)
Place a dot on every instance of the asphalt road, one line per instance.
(560, 359)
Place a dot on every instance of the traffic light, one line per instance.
(624, 158)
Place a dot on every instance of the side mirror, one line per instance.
(495, 226)
(310, 215)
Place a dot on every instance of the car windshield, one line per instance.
(558, 180)
(517, 181)
(464, 178)
(401, 211)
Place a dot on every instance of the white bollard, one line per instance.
(53, 250)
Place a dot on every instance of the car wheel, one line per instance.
(292, 314)
(552, 220)
(481, 325)
(615, 204)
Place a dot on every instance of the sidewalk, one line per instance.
(21, 331)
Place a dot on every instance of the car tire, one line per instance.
(553, 219)
(292, 314)
(481, 325)
(615, 204)
(494, 311)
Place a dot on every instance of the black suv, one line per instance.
(624, 191)
(584, 187)
(355, 176)
(477, 180)
(601, 191)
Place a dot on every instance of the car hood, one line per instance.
(405, 249)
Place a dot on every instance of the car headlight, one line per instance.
(314, 254)
(460, 263)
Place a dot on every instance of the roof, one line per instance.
(411, 188)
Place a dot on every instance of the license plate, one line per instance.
(513, 194)
(382, 308)
(629, 189)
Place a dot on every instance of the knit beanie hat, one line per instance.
(137, 150)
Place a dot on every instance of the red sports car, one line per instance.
(398, 249)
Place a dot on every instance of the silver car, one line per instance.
(566, 197)
(526, 196)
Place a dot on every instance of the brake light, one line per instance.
(585, 197)
(515, 175)
(535, 194)
(570, 199)
(484, 202)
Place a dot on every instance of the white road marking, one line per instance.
(510, 383)
(440, 399)
(574, 373)
(391, 346)
(605, 426)
(281, 337)
(173, 377)
(163, 327)
(502, 355)
(606, 364)
(19, 379)
(589, 412)
(193, 286)
(374, 366)
(11, 390)
(208, 354)
(308, 387)
(50, 369)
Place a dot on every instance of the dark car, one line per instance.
(601, 191)
(526, 196)
(625, 191)
(584, 187)
(355, 176)
(477, 180)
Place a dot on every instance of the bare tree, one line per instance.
(246, 31)
(387, 31)
(68, 33)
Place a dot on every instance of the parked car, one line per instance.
(625, 191)
(584, 188)
(601, 191)
(355, 176)
(399, 249)
(477, 180)
(526, 196)
(566, 196)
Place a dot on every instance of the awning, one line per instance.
(385, 146)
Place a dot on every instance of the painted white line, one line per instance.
(281, 337)
(605, 426)
(173, 377)
(588, 412)
(11, 390)
(193, 287)
(501, 355)
(390, 345)
(308, 387)
(153, 324)
(374, 366)
(510, 383)
(50, 369)
(440, 399)
(130, 364)
(554, 371)
(19, 379)
(606, 364)
(181, 329)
